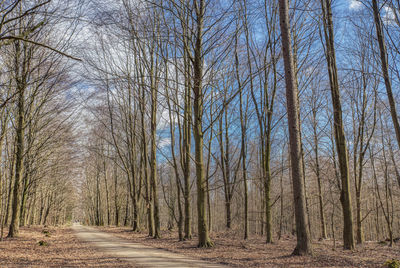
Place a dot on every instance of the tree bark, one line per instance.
(148, 192)
(243, 148)
(153, 164)
(20, 146)
(318, 174)
(340, 139)
(204, 239)
(385, 68)
(303, 246)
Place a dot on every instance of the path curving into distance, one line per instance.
(138, 254)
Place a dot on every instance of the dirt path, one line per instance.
(140, 255)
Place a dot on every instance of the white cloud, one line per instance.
(164, 142)
(354, 4)
(163, 119)
(389, 16)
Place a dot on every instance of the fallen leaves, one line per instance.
(63, 249)
(230, 249)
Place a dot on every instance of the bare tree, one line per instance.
(303, 246)
(340, 139)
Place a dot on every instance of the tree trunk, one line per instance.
(225, 166)
(243, 151)
(174, 161)
(116, 203)
(267, 186)
(318, 174)
(20, 133)
(186, 152)
(303, 237)
(144, 155)
(209, 212)
(127, 205)
(385, 68)
(153, 163)
(107, 194)
(340, 139)
(204, 240)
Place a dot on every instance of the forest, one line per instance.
(192, 120)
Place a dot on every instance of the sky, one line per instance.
(354, 4)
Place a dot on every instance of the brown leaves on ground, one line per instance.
(63, 249)
(232, 250)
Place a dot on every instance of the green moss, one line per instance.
(392, 263)
(43, 243)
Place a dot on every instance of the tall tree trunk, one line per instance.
(107, 193)
(385, 68)
(204, 239)
(20, 133)
(153, 161)
(243, 149)
(209, 212)
(2, 197)
(266, 157)
(225, 166)
(144, 155)
(98, 202)
(187, 122)
(24, 196)
(304, 246)
(10, 185)
(127, 205)
(172, 122)
(185, 140)
(133, 179)
(116, 203)
(318, 174)
(303, 166)
(340, 139)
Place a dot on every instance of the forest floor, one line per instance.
(233, 251)
(63, 249)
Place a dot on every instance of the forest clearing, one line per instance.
(199, 133)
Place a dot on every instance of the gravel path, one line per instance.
(139, 255)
